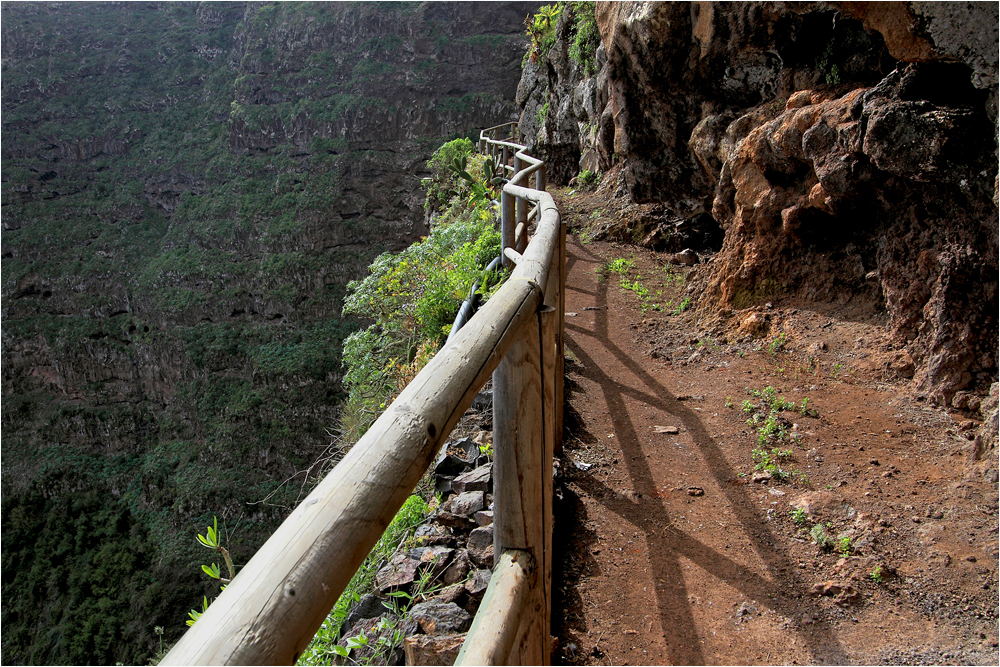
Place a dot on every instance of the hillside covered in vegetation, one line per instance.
(187, 190)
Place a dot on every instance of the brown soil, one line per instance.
(671, 553)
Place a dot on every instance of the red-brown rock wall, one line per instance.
(840, 173)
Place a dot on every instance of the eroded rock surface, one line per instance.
(848, 150)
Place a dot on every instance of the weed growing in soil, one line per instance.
(799, 516)
(770, 462)
(821, 537)
(776, 344)
(876, 575)
(772, 431)
(588, 179)
(683, 305)
(619, 267)
(635, 286)
(844, 546)
(635, 283)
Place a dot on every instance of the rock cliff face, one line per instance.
(848, 151)
(187, 189)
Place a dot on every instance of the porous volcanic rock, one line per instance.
(840, 173)
(842, 198)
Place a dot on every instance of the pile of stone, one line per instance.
(444, 570)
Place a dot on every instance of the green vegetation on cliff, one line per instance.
(413, 295)
(583, 36)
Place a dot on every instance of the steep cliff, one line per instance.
(187, 189)
(847, 150)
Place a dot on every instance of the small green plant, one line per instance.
(158, 631)
(764, 414)
(771, 431)
(836, 370)
(876, 575)
(821, 537)
(619, 266)
(541, 28)
(486, 449)
(673, 277)
(587, 178)
(799, 516)
(729, 402)
(770, 462)
(683, 305)
(777, 343)
(634, 286)
(844, 546)
(542, 114)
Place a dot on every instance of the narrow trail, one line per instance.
(670, 549)
(667, 558)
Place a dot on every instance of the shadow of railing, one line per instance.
(646, 510)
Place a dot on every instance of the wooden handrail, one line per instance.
(270, 611)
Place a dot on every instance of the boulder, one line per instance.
(399, 572)
(436, 557)
(455, 457)
(430, 534)
(467, 503)
(480, 546)
(452, 520)
(436, 617)
(433, 650)
(458, 569)
(369, 606)
(477, 584)
(479, 479)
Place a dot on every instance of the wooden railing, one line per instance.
(270, 611)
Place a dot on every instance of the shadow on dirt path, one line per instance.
(627, 389)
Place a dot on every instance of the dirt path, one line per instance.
(673, 555)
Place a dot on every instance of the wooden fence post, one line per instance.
(548, 319)
(560, 338)
(495, 627)
(522, 480)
